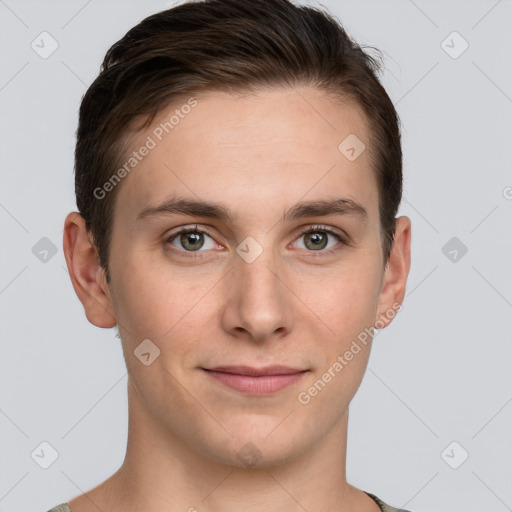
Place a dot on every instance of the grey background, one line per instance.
(440, 373)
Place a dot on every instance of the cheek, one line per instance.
(347, 309)
(155, 301)
(345, 301)
(142, 293)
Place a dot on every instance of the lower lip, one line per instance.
(261, 385)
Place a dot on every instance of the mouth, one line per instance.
(256, 381)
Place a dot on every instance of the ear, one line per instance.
(395, 275)
(87, 276)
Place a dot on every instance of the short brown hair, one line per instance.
(232, 46)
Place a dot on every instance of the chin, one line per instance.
(257, 450)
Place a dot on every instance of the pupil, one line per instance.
(192, 241)
(319, 240)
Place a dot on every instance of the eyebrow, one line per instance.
(198, 208)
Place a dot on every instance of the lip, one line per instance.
(256, 381)
(256, 372)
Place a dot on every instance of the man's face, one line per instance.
(252, 291)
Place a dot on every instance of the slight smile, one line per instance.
(256, 381)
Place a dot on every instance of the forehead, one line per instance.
(260, 149)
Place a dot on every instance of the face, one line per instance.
(280, 264)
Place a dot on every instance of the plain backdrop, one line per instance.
(430, 425)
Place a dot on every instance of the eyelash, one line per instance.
(310, 229)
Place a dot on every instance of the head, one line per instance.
(245, 122)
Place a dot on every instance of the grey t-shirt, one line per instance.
(383, 506)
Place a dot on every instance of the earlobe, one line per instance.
(86, 273)
(395, 277)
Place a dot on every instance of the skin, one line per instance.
(257, 154)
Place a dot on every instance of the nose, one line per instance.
(258, 299)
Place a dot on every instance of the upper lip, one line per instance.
(249, 370)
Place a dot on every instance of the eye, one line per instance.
(191, 239)
(316, 238)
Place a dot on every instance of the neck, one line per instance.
(161, 472)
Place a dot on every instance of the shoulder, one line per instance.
(63, 507)
(384, 506)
